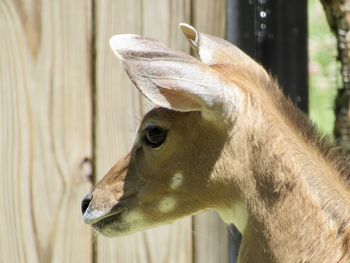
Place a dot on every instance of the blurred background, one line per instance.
(324, 76)
(68, 112)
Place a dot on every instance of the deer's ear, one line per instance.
(168, 78)
(212, 50)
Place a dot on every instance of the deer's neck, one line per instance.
(292, 198)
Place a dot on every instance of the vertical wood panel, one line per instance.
(119, 104)
(210, 238)
(45, 135)
(209, 16)
(210, 232)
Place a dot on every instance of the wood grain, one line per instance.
(210, 232)
(48, 69)
(119, 105)
(209, 16)
(45, 135)
(210, 238)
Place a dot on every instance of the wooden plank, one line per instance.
(119, 105)
(211, 238)
(209, 16)
(45, 135)
(210, 232)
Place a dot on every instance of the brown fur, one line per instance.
(274, 190)
(245, 78)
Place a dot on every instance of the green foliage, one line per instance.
(323, 68)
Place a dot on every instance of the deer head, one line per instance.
(193, 147)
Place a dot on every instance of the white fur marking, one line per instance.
(176, 181)
(167, 204)
(237, 215)
(133, 216)
(92, 215)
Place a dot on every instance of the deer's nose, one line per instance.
(85, 203)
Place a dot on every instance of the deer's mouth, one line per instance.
(109, 218)
(115, 214)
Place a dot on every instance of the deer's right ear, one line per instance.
(172, 79)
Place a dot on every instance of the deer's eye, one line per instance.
(154, 136)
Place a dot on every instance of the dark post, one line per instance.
(274, 32)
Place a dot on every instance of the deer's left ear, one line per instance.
(212, 50)
(169, 78)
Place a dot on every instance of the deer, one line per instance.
(223, 136)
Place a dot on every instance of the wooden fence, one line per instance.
(67, 111)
